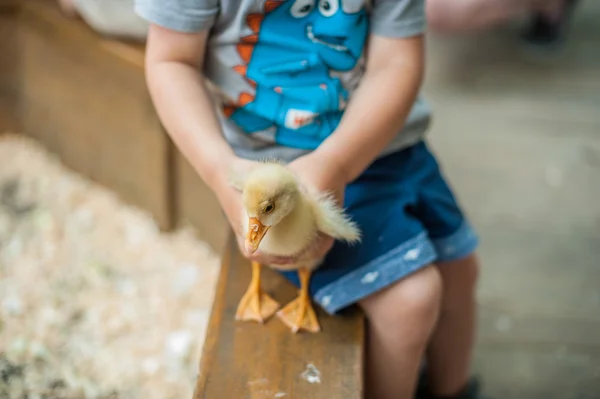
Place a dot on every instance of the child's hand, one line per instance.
(323, 176)
(315, 174)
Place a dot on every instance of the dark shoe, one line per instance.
(471, 391)
(544, 33)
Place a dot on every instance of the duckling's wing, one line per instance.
(332, 220)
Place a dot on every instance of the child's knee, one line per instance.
(414, 299)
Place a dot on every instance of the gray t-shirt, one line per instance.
(287, 69)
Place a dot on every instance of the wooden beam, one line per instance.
(87, 101)
(248, 360)
(7, 6)
(195, 203)
(9, 66)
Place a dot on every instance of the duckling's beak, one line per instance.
(256, 232)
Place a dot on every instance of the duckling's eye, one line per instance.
(269, 208)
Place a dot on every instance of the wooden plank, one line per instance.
(248, 360)
(91, 106)
(9, 66)
(8, 5)
(196, 204)
(46, 12)
(115, 137)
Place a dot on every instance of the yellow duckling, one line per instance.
(274, 202)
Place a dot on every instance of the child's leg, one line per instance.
(401, 320)
(471, 15)
(451, 346)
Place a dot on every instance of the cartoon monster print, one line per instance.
(289, 60)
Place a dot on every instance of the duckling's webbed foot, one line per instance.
(256, 305)
(299, 314)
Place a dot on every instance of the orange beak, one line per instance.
(256, 232)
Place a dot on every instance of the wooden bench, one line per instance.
(249, 360)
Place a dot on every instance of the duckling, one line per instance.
(283, 219)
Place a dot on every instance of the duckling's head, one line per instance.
(269, 194)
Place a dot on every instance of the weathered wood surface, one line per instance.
(250, 361)
(92, 108)
(9, 66)
(85, 97)
(196, 204)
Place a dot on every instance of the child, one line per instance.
(301, 85)
(548, 27)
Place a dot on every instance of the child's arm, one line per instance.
(378, 108)
(173, 64)
(182, 101)
(382, 102)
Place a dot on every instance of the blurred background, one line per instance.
(110, 245)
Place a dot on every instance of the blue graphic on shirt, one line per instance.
(296, 47)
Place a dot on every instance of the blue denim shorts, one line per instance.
(409, 218)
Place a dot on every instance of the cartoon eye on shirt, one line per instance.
(328, 8)
(301, 8)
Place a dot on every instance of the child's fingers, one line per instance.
(318, 250)
(324, 245)
(274, 260)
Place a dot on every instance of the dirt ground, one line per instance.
(95, 302)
